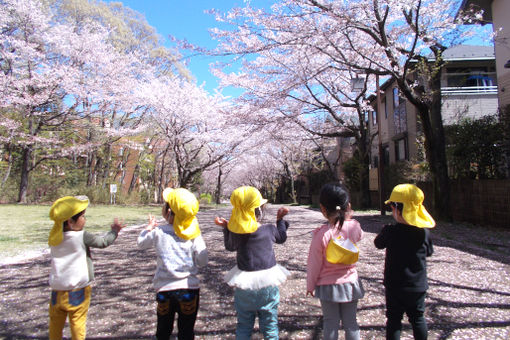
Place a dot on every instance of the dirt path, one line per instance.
(469, 296)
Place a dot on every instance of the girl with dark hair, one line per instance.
(331, 270)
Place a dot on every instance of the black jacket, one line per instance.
(405, 266)
(255, 250)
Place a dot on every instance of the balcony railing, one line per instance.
(467, 90)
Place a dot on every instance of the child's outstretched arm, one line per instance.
(117, 226)
(152, 223)
(146, 238)
(281, 225)
(96, 241)
(230, 239)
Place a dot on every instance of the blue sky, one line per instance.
(187, 20)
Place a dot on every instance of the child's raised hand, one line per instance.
(117, 226)
(281, 212)
(221, 222)
(152, 223)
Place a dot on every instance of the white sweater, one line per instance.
(177, 259)
(69, 263)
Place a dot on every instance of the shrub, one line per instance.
(205, 198)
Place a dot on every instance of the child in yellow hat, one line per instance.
(407, 245)
(72, 270)
(180, 251)
(257, 275)
(331, 274)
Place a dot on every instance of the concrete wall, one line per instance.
(455, 107)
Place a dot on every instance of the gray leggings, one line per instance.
(333, 312)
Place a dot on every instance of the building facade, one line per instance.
(497, 13)
(468, 90)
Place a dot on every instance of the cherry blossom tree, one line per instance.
(273, 155)
(295, 81)
(56, 79)
(195, 125)
(129, 32)
(383, 37)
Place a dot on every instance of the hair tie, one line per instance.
(338, 207)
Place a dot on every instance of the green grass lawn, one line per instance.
(26, 227)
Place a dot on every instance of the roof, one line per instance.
(468, 52)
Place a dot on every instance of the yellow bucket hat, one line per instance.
(244, 201)
(414, 212)
(342, 250)
(185, 207)
(63, 209)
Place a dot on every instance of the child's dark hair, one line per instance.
(167, 209)
(335, 199)
(259, 213)
(74, 218)
(399, 206)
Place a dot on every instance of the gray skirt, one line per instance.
(344, 292)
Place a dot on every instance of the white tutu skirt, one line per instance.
(273, 276)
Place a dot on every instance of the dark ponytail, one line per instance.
(335, 199)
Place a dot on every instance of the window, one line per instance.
(385, 108)
(470, 77)
(375, 162)
(396, 98)
(374, 118)
(401, 149)
(399, 112)
(386, 155)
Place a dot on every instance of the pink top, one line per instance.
(319, 271)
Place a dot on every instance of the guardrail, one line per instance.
(470, 90)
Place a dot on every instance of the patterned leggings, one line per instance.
(185, 303)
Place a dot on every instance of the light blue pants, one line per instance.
(333, 312)
(262, 302)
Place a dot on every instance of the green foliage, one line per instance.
(205, 198)
(352, 169)
(318, 179)
(473, 148)
(9, 191)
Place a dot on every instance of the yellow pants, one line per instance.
(74, 303)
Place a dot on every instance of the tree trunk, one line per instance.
(365, 182)
(293, 194)
(436, 153)
(161, 176)
(132, 184)
(25, 171)
(107, 162)
(364, 177)
(9, 165)
(217, 195)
